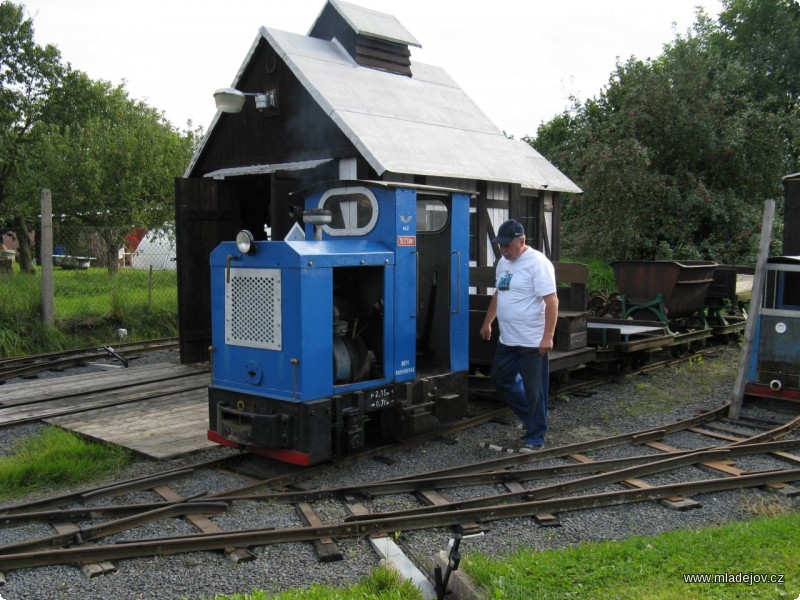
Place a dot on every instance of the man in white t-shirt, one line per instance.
(526, 307)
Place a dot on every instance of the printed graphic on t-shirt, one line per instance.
(504, 283)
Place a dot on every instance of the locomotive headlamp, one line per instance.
(245, 242)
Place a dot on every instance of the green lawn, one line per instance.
(654, 567)
(90, 306)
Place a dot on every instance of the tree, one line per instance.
(677, 154)
(28, 73)
(763, 36)
(109, 160)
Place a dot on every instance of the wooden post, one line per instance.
(150, 288)
(46, 259)
(755, 309)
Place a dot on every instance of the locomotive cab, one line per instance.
(774, 367)
(356, 321)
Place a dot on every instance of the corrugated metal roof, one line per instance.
(423, 125)
(262, 169)
(372, 23)
(546, 173)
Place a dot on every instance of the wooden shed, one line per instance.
(347, 101)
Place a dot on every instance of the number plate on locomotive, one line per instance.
(380, 397)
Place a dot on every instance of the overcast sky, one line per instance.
(519, 60)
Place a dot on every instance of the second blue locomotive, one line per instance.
(773, 367)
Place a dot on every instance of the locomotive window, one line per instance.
(431, 215)
(354, 211)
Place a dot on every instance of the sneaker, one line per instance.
(528, 448)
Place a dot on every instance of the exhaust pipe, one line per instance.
(775, 385)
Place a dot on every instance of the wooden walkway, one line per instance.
(159, 411)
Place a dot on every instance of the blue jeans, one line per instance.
(521, 376)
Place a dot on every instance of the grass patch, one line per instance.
(682, 384)
(652, 567)
(94, 292)
(382, 584)
(90, 306)
(55, 457)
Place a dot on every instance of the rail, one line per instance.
(30, 365)
(554, 496)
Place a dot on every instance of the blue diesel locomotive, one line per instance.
(356, 322)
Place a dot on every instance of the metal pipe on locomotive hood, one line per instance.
(318, 217)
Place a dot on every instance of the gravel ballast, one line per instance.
(631, 404)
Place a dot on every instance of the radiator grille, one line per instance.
(787, 373)
(253, 308)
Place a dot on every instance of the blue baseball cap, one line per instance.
(508, 231)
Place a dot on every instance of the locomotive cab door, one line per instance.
(442, 282)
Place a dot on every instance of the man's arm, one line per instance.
(550, 318)
(491, 313)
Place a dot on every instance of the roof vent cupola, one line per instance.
(373, 39)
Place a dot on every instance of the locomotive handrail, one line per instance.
(458, 282)
(416, 289)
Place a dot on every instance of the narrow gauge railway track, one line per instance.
(521, 485)
(585, 380)
(30, 365)
(35, 510)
